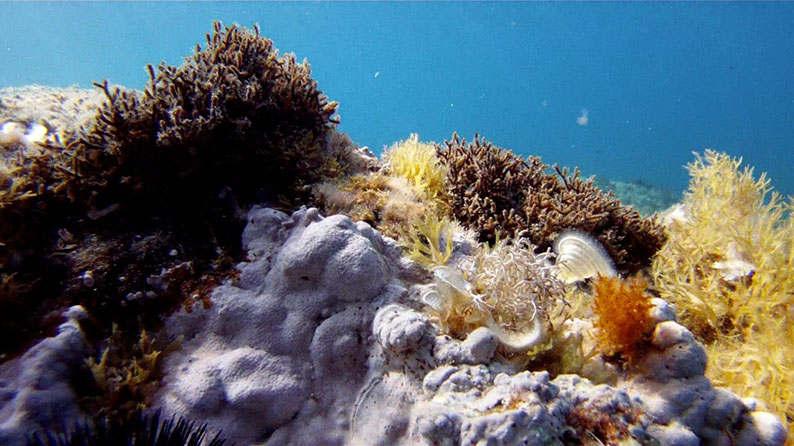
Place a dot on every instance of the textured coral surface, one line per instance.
(291, 354)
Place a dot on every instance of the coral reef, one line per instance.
(494, 191)
(728, 267)
(132, 202)
(407, 381)
(168, 215)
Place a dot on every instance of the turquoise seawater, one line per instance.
(624, 90)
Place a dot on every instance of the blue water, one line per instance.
(658, 80)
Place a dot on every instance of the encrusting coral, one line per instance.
(492, 190)
(728, 265)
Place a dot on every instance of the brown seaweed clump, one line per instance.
(234, 116)
(487, 186)
(565, 201)
(498, 193)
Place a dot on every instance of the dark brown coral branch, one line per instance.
(233, 114)
(492, 190)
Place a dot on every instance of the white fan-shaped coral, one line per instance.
(580, 256)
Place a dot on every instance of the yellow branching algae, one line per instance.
(407, 189)
(419, 164)
(126, 376)
(728, 265)
(429, 240)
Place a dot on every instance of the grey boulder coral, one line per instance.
(287, 345)
(36, 389)
(320, 341)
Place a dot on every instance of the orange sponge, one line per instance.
(623, 313)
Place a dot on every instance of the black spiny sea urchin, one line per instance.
(142, 430)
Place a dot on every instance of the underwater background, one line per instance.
(625, 91)
(442, 292)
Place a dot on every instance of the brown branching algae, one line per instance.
(235, 114)
(133, 201)
(492, 190)
(487, 186)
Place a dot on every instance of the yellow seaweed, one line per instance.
(728, 265)
(418, 163)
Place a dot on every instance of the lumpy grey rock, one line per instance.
(470, 405)
(682, 406)
(288, 345)
(36, 389)
(321, 342)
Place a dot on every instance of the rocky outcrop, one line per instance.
(321, 339)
